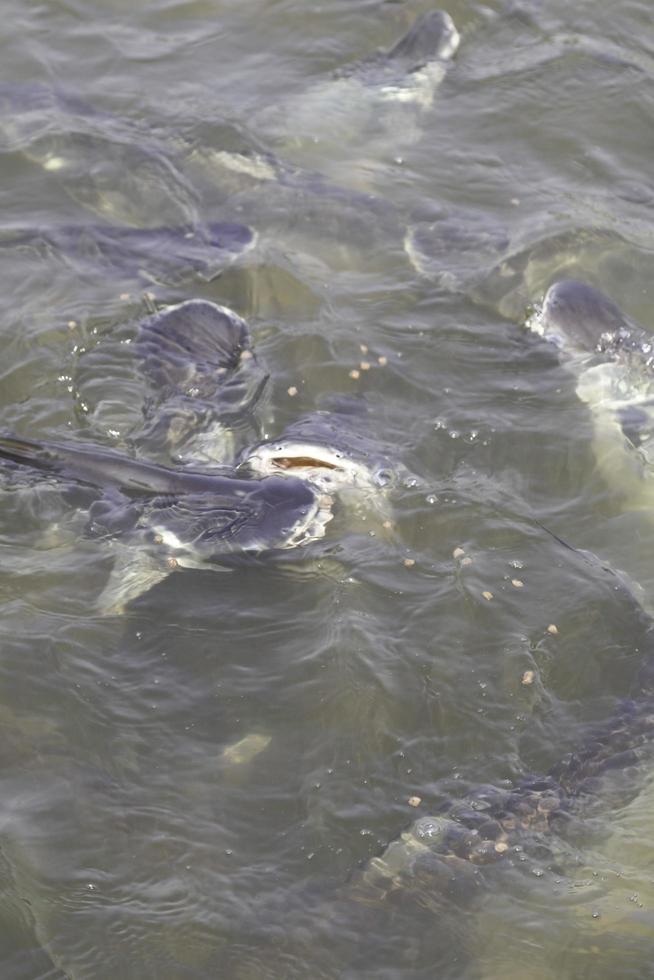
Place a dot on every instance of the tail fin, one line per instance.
(84, 464)
(104, 468)
(29, 454)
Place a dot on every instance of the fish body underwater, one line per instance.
(612, 359)
(531, 825)
(149, 255)
(374, 106)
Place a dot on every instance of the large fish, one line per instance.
(203, 376)
(165, 518)
(104, 163)
(204, 384)
(373, 106)
(612, 358)
(529, 824)
(147, 255)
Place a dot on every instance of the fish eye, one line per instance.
(383, 478)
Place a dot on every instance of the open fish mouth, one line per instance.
(327, 469)
(302, 462)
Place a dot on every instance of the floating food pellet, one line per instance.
(363, 348)
(388, 525)
(517, 583)
(409, 562)
(354, 374)
(552, 629)
(292, 391)
(172, 562)
(501, 846)
(246, 355)
(487, 595)
(528, 677)
(124, 297)
(72, 324)
(382, 360)
(466, 561)
(414, 801)
(458, 553)
(365, 365)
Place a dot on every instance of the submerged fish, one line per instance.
(199, 361)
(106, 164)
(453, 247)
(526, 825)
(372, 106)
(172, 518)
(413, 67)
(612, 358)
(149, 254)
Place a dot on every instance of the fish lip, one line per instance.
(326, 469)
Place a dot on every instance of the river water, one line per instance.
(190, 789)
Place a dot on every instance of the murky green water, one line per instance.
(193, 788)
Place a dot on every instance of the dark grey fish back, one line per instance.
(582, 312)
(168, 254)
(202, 249)
(196, 341)
(105, 467)
(427, 39)
(256, 516)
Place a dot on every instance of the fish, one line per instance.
(168, 519)
(184, 385)
(527, 825)
(149, 255)
(203, 379)
(612, 359)
(333, 453)
(203, 372)
(373, 106)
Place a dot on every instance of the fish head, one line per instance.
(324, 451)
(250, 518)
(324, 467)
(230, 238)
(579, 318)
(432, 37)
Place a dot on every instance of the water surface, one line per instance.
(137, 838)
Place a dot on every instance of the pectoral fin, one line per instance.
(134, 572)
